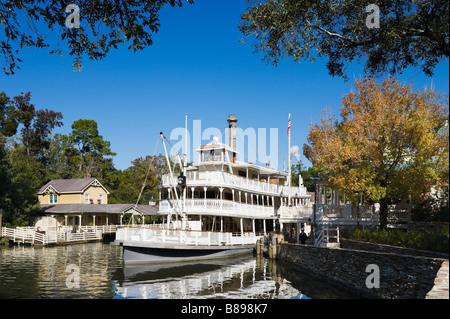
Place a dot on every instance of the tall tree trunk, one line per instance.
(383, 213)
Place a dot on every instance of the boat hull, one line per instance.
(139, 254)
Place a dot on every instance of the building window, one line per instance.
(86, 198)
(100, 199)
(53, 199)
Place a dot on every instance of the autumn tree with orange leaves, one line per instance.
(390, 143)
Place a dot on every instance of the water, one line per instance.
(97, 268)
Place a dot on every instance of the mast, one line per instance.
(289, 160)
(184, 211)
(172, 182)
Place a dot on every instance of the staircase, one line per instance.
(326, 236)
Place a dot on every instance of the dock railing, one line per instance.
(52, 235)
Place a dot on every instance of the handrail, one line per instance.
(323, 235)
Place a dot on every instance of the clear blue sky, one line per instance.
(198, 66)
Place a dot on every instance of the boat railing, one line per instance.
(227, 180)
(220, 206)
(185, 237)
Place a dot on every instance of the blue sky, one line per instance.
(196, 65)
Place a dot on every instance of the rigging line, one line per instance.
(148, 171)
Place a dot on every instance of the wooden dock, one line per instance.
(33, 236)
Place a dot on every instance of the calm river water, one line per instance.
(96, 270)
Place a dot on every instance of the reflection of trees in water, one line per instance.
(40, 272)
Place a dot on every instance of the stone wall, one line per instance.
(401, 276)
(360, 245)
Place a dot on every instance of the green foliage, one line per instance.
(4, 241)
(37, 125)
(126, 185)
(82, 152)
(308, 174)
(411, 33)
(433, 208)
(8, 116)
(32, 156)
(436, 240)
(103, 25)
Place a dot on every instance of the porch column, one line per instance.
(242, 227)
(121, 218)
(56, 228)
(65, 220)
(253, 226)
(221, 224)
(93, 219)
(205, 189)
(264, 225)
(80, 220)
(221, 197)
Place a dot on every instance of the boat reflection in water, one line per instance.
(243, 277)
(238, 278)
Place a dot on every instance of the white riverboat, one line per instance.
(217, 207)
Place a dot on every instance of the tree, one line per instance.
(391, 143)
(8, 116)
(411, 33)
(103, 25)
(307, 174)
(88, 150)
(126, 185)
(131, 182)
(37, 125)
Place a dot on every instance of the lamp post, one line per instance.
(182, 185)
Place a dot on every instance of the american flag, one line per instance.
(289, 126)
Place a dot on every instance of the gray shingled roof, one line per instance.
(97, 208)
(68, 185)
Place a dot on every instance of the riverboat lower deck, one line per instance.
(145, 244)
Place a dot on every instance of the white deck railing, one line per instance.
(219, 207)
(185, 237)
(222, 179)
(50, 235)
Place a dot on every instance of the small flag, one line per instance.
(289, 125)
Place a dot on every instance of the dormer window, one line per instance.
(53, 199)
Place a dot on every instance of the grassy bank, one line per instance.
(436, 240)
